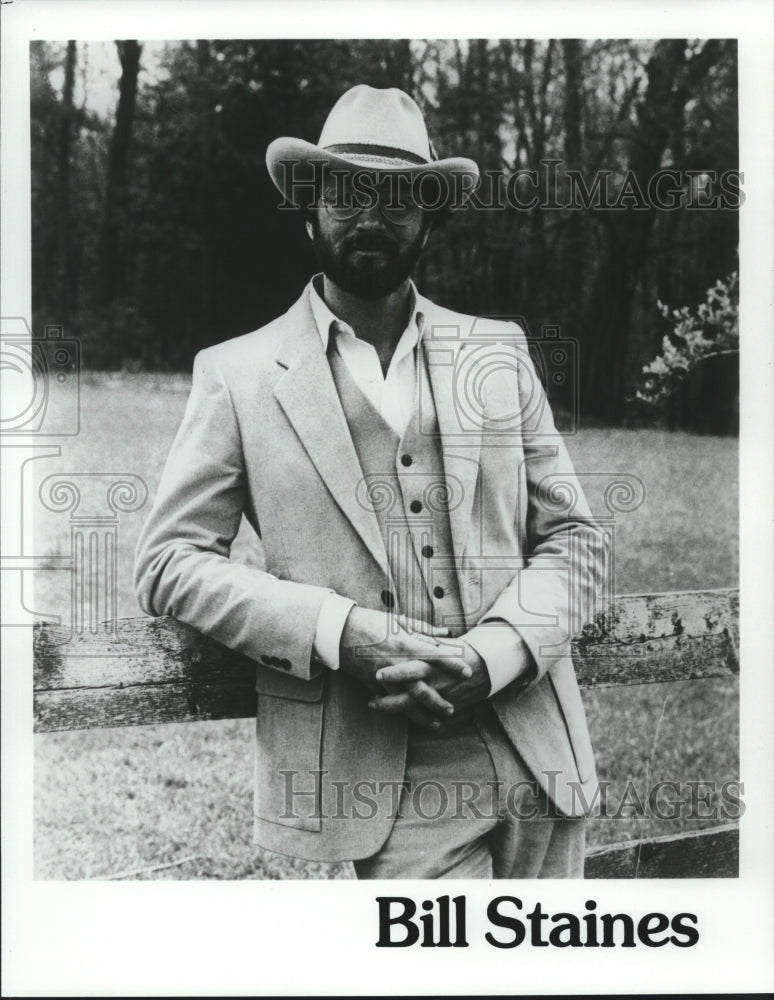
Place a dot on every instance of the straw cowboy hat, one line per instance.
(368, 128)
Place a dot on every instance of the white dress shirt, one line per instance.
(392, 396)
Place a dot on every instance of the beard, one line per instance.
(365, 275)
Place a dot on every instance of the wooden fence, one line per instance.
(142, 671)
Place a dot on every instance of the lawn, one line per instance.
(128, 801)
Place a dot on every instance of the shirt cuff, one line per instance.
(503, 651)
(334, 612)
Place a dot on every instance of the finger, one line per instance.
(404, 704)
(446, 686)
(430, 698)
(417, 686)
(454, 665)
(391, 704)
(404, 672)
(422, 680)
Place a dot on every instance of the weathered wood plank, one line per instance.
(143, 705)
(133, 651)
(647, 638)
(137, 671)
(712, 853)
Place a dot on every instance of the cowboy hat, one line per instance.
(373, 129)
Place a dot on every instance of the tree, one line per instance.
(697, 339)
(672, 78)
(116, 193)
(64, 228)
(174, 225)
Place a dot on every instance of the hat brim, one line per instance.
(293, 162)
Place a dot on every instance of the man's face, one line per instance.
(367, 233)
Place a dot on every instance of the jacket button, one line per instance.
(438, 592)
(415, 506)
(285, 664)
(427, 551)
(406, 460)
(388, 599)
(266, 659)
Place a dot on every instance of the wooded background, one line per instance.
(155, 229)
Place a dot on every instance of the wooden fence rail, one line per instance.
(142, 671)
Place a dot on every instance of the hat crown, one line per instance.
(367, 116)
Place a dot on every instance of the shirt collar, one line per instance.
(323, 317)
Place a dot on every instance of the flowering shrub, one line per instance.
(712, 330)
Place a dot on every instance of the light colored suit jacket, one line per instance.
(264, 434)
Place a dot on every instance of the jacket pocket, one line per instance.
(288, 741)
(278, 685)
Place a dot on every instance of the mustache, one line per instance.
(369, 241)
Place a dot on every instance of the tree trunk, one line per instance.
(64, 291)
(573, 159)
(114, 224)
(607, 317)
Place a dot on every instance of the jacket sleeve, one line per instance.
(182, 564)
(565, 551)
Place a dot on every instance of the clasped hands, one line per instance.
(414, 669)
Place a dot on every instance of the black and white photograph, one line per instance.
(373, 411)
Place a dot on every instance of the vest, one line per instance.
(403, 484)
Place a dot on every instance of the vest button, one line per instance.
(406, 460)
(415, 506)
(427, 551)
(438, 592)
(388, 599)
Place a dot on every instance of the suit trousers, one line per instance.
(469, 808)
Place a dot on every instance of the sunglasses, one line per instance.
(344, 199)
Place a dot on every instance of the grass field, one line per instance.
(123, 801)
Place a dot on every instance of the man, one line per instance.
(418, 711)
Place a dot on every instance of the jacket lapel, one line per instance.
(307, 394)
(458, 422)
